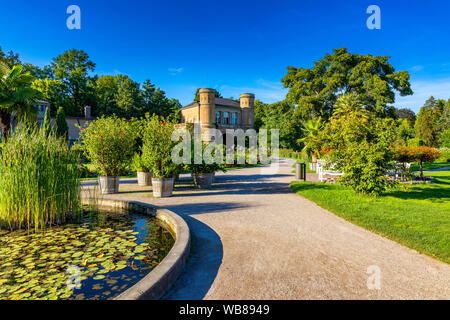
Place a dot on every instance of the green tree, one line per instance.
(280, 115)
(52, 91)
(427, 127)
(16, 95)
(311, 136)
(61, 127)
(106, 90)
(11, 58)
(128, 98)
(360, 148)
(73, 68)
(315, 90)
(156, 102)
(260, 109)
(408, 114)
(445, 139)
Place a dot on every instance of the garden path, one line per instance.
(253, 238)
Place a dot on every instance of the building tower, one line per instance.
(207, 110)
(248, 110)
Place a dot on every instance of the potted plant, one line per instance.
(157, 148)
(109, 144)
(204, 172)
(144, 174)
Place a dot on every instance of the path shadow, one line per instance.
(204, 262)
(207, 207)
(237, 188)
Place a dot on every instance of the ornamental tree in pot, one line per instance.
(144, 174)
(109, 144)
(157, 148)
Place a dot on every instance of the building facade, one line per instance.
(218, 113)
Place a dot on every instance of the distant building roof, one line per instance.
(42, 102)
(227, 102)
(218, 101)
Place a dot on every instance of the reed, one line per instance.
(39, 181)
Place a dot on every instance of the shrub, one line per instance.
(138, 164)
(157, 147)
(61, 127)
(207, 165)
(39, 183)
(416, 142)
(445, 155)
(109, 143)
(360, 148)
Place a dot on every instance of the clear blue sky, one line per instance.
(234, 46)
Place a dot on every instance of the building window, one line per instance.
(226, 118)
(234, 119)
(218, 118)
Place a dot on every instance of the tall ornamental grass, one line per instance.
(39, 180)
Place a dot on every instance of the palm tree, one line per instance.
(311, 130)
(16, 95)
(349, 104)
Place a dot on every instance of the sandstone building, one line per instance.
(219, 113)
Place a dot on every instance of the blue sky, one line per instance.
(234, 46)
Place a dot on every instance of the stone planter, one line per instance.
(162, 187)
(109, 185)
(203, 180)
(144, 179)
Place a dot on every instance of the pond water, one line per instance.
(97, 258)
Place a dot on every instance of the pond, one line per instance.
(96, 258)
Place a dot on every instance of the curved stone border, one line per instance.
(160, 279)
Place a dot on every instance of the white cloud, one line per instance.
(440, 89)
(175, 71)
(264, 90)
(416, 68)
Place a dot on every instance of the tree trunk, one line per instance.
(421, 170)
(5, 123)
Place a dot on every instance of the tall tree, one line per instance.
(281, 116)
(315, 90)
(427, 125)
(260, 108)
(156, 102)
(408, 114)
(16, 95)
(52, 91)
(73, 68)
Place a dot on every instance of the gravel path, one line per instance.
(255, 239)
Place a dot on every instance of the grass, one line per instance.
(39, 183)
(430, 166)
(418, 217)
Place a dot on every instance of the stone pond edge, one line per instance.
(158, 281)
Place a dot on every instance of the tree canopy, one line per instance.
(429, 123)
(315, 90)
(69, 82)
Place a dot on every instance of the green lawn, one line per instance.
(430, 166)
(418, 217)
